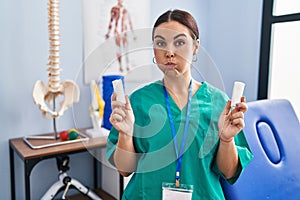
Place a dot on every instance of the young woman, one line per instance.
(177, 135)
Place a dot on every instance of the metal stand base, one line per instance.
(65, 182)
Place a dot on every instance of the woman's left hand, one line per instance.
(231, 122)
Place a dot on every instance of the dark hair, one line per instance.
(180, 16)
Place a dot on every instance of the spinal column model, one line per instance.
(48, 93)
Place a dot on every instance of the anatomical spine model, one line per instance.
(48, 93)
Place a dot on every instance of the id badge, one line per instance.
(171, 192)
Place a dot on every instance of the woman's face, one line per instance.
(174, 48)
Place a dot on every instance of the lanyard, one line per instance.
(179, 156)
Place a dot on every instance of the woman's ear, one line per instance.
(196, 47)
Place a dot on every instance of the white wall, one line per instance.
(230, 32)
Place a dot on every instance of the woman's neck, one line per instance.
(178, 88)
(177, 85)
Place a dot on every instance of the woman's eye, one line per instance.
(160, 44)
(179, 43)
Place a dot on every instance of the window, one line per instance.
(279, 75)
(284, 7)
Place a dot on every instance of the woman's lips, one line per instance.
(170, 64)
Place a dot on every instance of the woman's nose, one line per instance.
(170, 53)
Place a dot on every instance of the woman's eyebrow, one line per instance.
(179, 35)
(175, 37)
(159, 36)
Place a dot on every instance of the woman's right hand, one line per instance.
(122, 117)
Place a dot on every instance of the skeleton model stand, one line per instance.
(44, 95)
(49, 93)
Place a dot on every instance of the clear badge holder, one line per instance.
(171, 192)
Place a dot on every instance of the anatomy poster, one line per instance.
(117, 39)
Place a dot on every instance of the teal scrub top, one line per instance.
(153, 143)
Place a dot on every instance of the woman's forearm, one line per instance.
(227, 158)
(125, 156)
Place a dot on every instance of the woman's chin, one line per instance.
(170, 71)
(173, 73)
